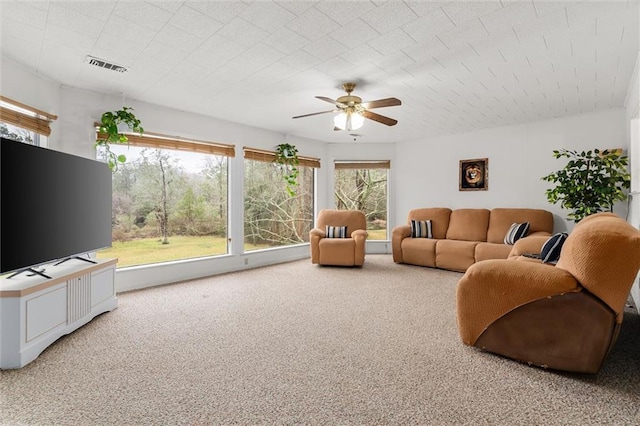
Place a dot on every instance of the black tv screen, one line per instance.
(52, 205)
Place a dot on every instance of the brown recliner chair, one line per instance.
(564, 317)
(347, 251)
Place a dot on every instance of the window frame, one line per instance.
(173, 143)
(266, 156)
(365, 165)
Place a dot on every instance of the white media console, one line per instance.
(36, 311)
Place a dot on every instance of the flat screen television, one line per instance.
(53, 206)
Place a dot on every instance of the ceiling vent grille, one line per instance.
(105, 64)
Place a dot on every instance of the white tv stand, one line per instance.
(35, 311)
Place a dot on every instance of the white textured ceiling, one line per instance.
(456, 65)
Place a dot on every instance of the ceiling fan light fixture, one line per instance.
(348, 120)
(357, 120)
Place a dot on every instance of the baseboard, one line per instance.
(635, 293)
(378, 247)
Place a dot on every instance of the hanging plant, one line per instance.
(287, 161)
(109, 132)
(591, 182)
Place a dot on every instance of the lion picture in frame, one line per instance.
(474, 174)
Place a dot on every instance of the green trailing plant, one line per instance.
(591, 182)
(109, 133)
(287, 161)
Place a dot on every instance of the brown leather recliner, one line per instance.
(564, 317)
(339, 251)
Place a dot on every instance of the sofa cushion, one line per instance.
(485, 251)
(337, 251)
(421, 229)
(468, 225)
(419, 251)
(455, 255)
(551, 249)
(502, 218)
(515, 232)
(439, 217)
(336, 232)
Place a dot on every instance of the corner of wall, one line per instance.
(635, 293)
(632, 98)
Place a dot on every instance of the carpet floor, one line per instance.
(303, 344)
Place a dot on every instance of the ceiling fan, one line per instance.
(352, 111)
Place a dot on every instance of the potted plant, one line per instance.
(287, 161)
(591, 182)
(110, 132)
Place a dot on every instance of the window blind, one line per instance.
(343, 165)
(268, 156)
(24, 116)
(154, 140)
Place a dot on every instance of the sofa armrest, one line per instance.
(528, 245)
(539, 234)
(359, 234)
(360, 238)
(315, 235)
(317, 232)
(491, 288)
(398, 234)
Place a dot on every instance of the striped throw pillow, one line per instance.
(421, 229)
(336, 232)
(552, 247)
(517, 231)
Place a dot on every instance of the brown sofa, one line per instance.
(564, 317)
(463, 237)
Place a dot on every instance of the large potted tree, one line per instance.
(591, 182)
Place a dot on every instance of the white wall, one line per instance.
(519, 155)
(632, 107)
(634, 201)
(20, 84)
(632, 104)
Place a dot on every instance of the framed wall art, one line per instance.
(474, 174)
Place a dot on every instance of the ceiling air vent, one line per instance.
(105, 64)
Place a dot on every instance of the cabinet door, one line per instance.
(46, 311)
(102, 286)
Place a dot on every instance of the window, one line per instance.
(16, 133)
(272, 217)
(169, 200)
(23, 123)
(362, 185)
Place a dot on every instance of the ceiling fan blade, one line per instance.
(380, 103)
(331, 101)
(379, 118)
(314, 113)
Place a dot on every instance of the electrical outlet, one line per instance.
(246, 261)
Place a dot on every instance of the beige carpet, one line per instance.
(303, 344)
